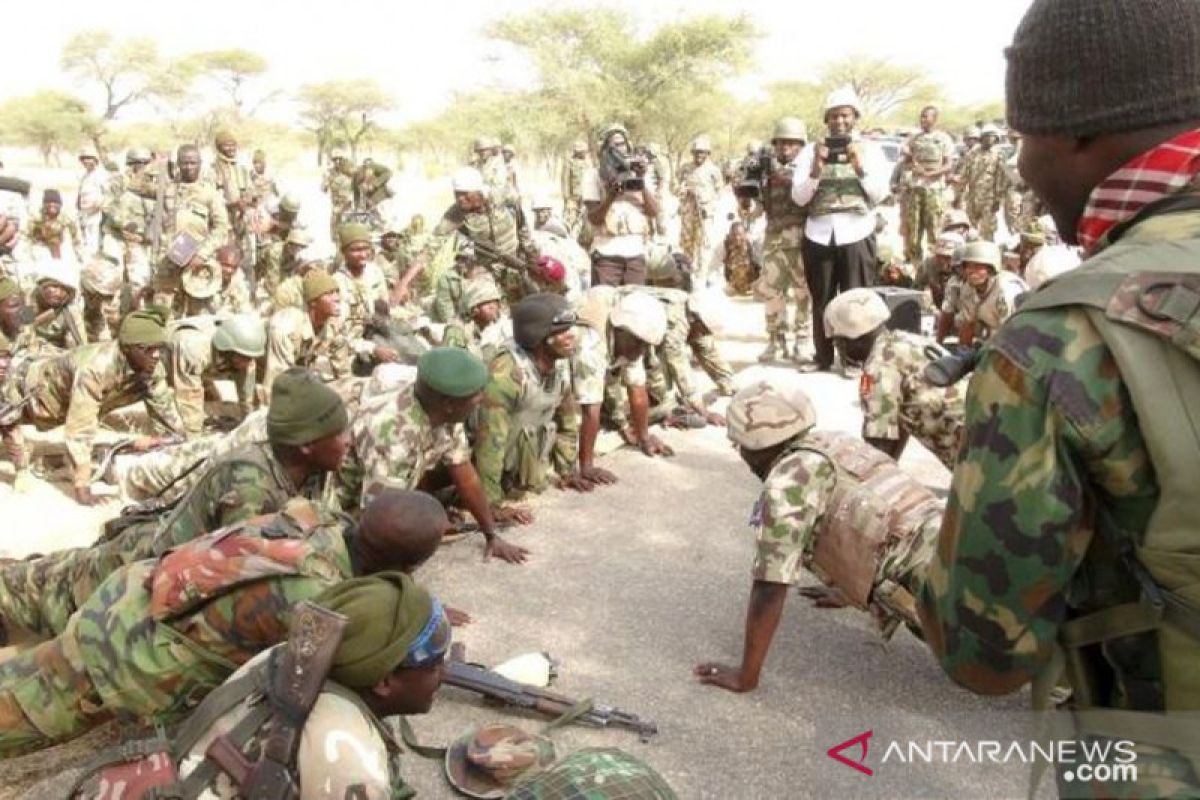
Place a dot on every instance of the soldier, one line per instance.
(574, 171)
(53, 234)
(305, 439)
(986, 183)
(236, 185)
(988, 295)
(557, 247)
(313, 336)
(266, 191)
(77, 388)
(401, 435)
(937, 270)
(782, 263)
(929, 155)
(487, 328)
(338, 183)
(101, 282)
(736, 254)
(494, 169)
(160, 634)
(136, 160)
(89, 199)
(896, 399)
(1070, 534)
(283, 220)
(57, 324)
(278, 261)
(542, 205)
(202, 350)
(12, 443)
(510, 163)
(388, 661)
(528, 425)
(827, 499)
(504, 244)
(192, 207)
(839, 181)
(362, 287)
(392, 258)
(620, 215)
(699, 186)
(371, 185)
(217, 287)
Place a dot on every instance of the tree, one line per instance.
(232, 70)
(881, 85)
(342, 110)
(48, 120)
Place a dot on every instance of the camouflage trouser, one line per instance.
(149, 474)
(573, 214)
(47, 695)
(980, 210)
(783, 271)
(923, 210)
(695, 240)
(41, 594)
(101, 316)
(740, 273)
(713, 363)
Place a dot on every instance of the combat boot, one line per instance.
(776, 347)
(801, 346)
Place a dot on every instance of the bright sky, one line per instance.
(425, 51)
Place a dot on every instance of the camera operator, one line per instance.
(839, 181)
(620, 205)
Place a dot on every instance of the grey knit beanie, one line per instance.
(1089, 67)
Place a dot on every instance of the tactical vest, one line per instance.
(576, 169)
(532, 430)
(840, 191)
(874, 513)
(496, 227)
(782, 212)
(1144, 299)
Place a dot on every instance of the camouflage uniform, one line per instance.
(272, 269)
(925, 197)
(989, 311)
(741, 267)
(338, 183)
(197, 209)
(1058, 465)
(193, 365)
(57, 238)
(700, 188)
(371, 186)
(527, 423)
(782, 264)
(573, 174)
(483, 344)
(500, 227)
(359, 295)
(668, 365)
(986, 183)
(54, 330)
(41, 594)
(392, 438)
(234, 182)
(897, 401)
(160, 634)
(78, 388)
(833, 485)
(594, 773)
(292, 342)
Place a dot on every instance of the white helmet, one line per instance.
(467, 179)
(642, 315)
(710, 308)
(1050, 262)
(59, 272)
(845, 96)
(702, 144)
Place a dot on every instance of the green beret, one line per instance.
(303, 409)
(386, 614)
(318, 283)
(8, 288)
(353, 232)
(452, 372)
(147, 326)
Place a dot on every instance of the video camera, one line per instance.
(627, 170)
(946, 369)
(753, 173)
(839, 149)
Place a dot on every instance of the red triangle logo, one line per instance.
(861, 740)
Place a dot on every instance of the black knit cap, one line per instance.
(1089, 67)
(539, 316)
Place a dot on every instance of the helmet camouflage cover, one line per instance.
(766, 413)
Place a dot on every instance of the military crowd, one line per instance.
(314, 427)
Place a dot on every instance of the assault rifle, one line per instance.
(483, 681)
(489, 253)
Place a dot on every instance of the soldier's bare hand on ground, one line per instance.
(576, 482)
(824, 596)
(722, 675)
(713, 418)
(653, 446)
(458, 618)
(505, 551)
(513, 515)
(629, 437)
(597, 476)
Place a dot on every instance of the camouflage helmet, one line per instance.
(202, 282)
(595, 773)
(289, 204)
(983, 252)
(768, 412)
(478, 291)
(485, 762)
(641, 314)
(790, 129)
(243, 334)
(101, 276)
(610, 129)
(701, 144)
(855, 313)
(138, 155)
(299, 236)
(947, 243)
(955, 218)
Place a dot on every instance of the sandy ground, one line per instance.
(629, 587)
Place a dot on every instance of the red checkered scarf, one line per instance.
(1152, 175)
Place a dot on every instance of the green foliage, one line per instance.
(342, 110)
(126, 72)
(49, 120)
(232, 70)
